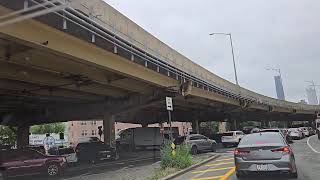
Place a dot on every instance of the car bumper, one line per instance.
(284, 165)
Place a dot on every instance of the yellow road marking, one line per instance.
(225, 176)
(207, 178)
(217, 164)
(224, 159)
(211, 170)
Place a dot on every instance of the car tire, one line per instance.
(53, 169)
(194, 150)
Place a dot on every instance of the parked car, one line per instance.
(38, 148)
(22, 162)
(311, 131)
(93, 151)
(305, 131)
(68, 153)
(231, 138)
(302, 131)
(197, 142)
(264, 153)
(295, 133)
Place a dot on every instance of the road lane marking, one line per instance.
(207, 178)
(217, 164)
(211, 170)
(311, 146)
(225, 176)
(224, 159)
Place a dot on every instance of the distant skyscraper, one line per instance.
(279, 87)
(312, 96)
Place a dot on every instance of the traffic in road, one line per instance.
(307, 161)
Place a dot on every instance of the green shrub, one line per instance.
(181, 160)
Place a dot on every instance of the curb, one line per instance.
(174, 175)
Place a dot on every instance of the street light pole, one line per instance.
(232, 51)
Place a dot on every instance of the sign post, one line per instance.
(169, 108)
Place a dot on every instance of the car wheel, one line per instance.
(53, 169)
(194, 150)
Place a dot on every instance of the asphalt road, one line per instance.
(307, 154)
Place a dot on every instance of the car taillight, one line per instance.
(283, 149)
(240, 152)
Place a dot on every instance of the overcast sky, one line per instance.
(282, 34)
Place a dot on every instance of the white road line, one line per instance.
(311, 146)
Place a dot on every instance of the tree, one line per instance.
(48, 128)
(7, 136)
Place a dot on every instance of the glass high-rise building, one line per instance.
(279, 87)
(312, 96)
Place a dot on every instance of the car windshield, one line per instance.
(228, 134)
(262, 139)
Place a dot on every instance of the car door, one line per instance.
(33, 161)
(195, 140)
(13, 163)
(205, 143)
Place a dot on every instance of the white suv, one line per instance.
(231, 138)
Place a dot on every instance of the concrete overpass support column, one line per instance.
(108, 130)
(23, 136)
(195, 126)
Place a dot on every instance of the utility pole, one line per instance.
(232, 51)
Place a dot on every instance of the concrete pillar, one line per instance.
(23, 136)
(109, 130)
(195, 126)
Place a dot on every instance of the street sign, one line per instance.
(169, 103)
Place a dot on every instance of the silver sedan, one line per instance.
(264, 153)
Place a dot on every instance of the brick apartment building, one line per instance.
(78, 129)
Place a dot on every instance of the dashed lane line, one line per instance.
(311, 146)
(207, 178)
(211, 170)
(218, 164)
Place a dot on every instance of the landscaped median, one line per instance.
(179, 162)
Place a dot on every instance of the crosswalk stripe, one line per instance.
(217, 164)
(211, 170)
(224, 159)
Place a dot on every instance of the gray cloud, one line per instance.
(278, 33)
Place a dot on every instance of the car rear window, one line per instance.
(269, 130)
(228, 134)
(258, 139)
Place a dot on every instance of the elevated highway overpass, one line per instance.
(85, 60)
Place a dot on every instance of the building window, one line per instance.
(84, 133)
(93, 122)
(83, 123)
(94, 132)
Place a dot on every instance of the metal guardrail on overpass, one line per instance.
(80, 15)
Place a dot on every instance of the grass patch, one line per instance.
(162, 172)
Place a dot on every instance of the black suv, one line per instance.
(93, 151)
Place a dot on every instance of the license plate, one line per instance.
(262, 167)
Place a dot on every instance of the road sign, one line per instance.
(169, 103)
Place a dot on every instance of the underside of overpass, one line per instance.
(52, 72)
